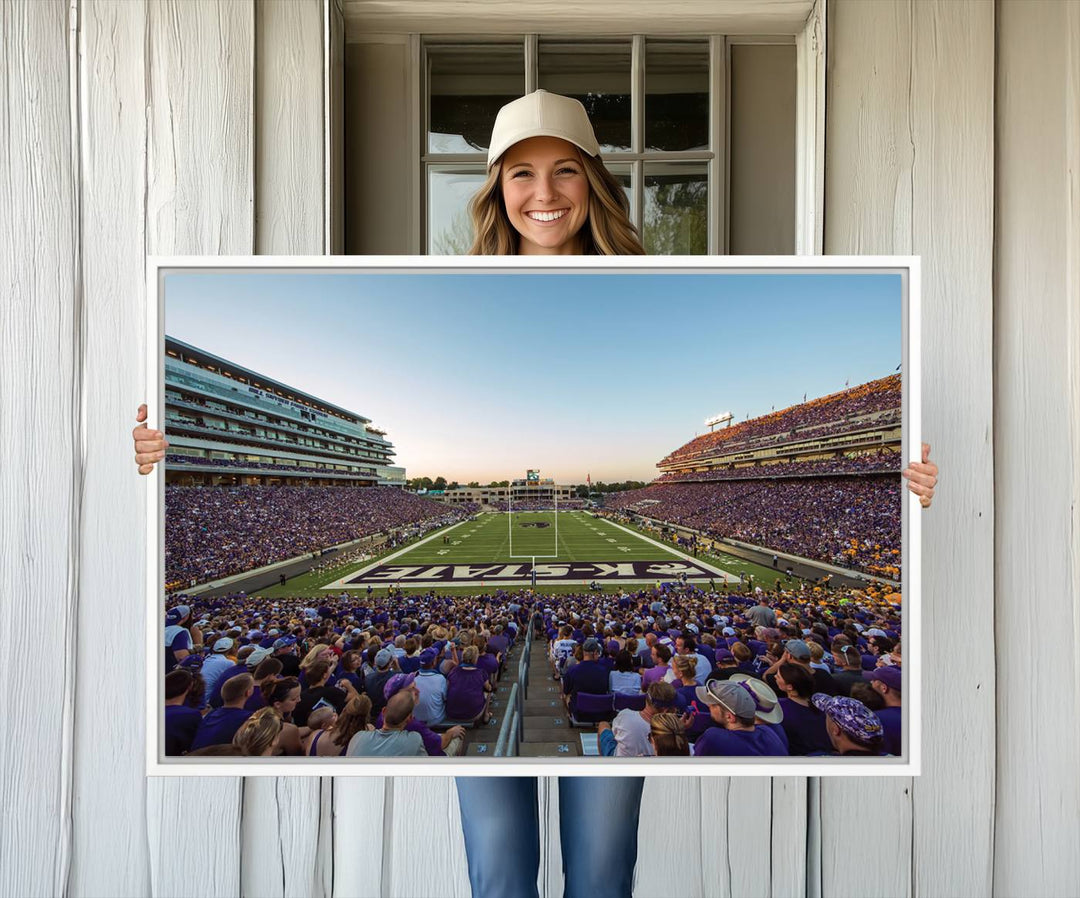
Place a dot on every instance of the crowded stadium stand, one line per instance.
(855, 420)
(228, 425)
(817, 480)
(546, 674)
(259, 472)
(213, 532)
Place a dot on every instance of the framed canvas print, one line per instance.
(500, 516)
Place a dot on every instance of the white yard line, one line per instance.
(698, 561)
(340, 582)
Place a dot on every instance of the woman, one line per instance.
(317, 652)
(283, 697)
(265, 674)
(258, 736)
(355, 717)
(319, 690)
(547, 193)
(667, 737)
(685, 684)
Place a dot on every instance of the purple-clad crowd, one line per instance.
(673, 669)
(681, 671)
(836, 413)
(850, 521)
(214, 532)
(350, 677)
(879, 462)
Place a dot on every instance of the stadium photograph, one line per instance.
(559, 516)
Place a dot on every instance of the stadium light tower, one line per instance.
(719, 419)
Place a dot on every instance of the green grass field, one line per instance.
(515, 539)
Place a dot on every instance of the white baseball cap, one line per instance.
(541, 114)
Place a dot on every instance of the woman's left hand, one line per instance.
(922, 477)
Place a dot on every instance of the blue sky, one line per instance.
(481, 376)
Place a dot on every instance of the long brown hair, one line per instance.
(355, 717)
(608, 230)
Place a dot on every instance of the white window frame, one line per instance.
(809, 42)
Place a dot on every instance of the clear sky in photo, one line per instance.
(481, 376)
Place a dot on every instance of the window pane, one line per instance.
(597, 74)
(676, 95)
(676, 209)
(449, 192)
(467, 84)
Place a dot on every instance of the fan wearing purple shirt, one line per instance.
(886, 682)
(588, 676)
(221, 724)
(733, 710)
(468, 689)
(661, 656)
(768, 712)
(803, 723)
(854, 729)
(181, 720)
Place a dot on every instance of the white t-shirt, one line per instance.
(631, 732)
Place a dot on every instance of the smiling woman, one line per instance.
(547, 190)
(546, 195)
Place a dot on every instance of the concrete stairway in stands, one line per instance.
(546, 730)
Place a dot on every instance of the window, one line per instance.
(662, 109)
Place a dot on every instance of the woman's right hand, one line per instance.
(150, 445)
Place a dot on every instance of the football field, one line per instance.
(558, 549)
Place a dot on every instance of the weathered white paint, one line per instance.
(1036, 369)
(289, 75)
(361, 805)
(952, 228)
(160, 156)
(109, 819)
(868, 153)
(910, 125)
(810, 134)
(200, 187)
(41, 454)
(424, 850)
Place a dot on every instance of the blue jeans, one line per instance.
(598, 823)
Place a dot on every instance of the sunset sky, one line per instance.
(481, 376)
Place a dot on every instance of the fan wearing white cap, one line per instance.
(547, 192)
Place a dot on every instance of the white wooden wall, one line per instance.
(187, 126)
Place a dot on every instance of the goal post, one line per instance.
(510, 526)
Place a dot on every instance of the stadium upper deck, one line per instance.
(229, 425)
(862, 418)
